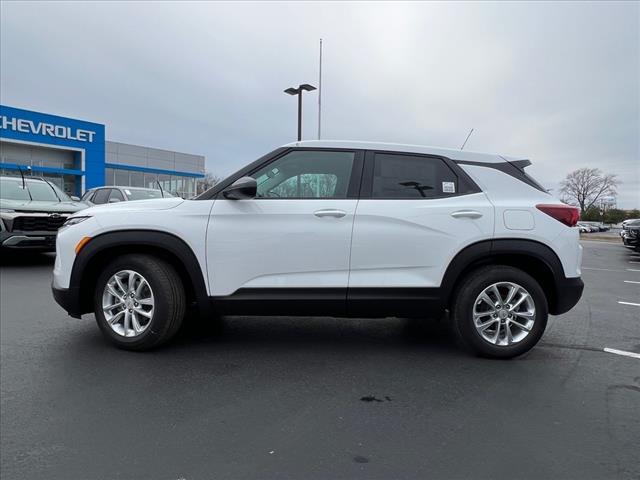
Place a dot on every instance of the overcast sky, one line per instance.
(556, 82)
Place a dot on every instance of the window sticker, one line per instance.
(448, 187)
(128, 192)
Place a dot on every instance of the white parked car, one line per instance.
(586, 228)
(344, 229)
(114, 194)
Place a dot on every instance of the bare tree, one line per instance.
(585, 186)
(209, 180)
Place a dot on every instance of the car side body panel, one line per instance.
(409, 243)
(187, 221)
(279, 243)
(516, 216)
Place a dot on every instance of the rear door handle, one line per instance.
(330, 212)
(466, 214)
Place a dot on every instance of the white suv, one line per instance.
(328, 228)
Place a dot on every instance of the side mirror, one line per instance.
(114, 200)
(243, 188)
(74, 198)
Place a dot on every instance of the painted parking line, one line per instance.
(603, 269)
(614, 242)
(622, 352)
(611, 269)
(629, 303)
(631, 281)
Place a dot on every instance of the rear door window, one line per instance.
(412, 177)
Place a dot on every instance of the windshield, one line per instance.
(12, 190)
(46, 192)
(37, 190)
(145, 194)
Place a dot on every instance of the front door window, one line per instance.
(306, 174)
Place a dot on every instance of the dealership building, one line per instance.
(75, 155)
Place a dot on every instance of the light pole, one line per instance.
(298, 91)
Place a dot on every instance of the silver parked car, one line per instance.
(102, 195)
(31, 211)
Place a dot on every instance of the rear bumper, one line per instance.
(568, 294)
(69, 299)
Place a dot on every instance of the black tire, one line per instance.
(462, 311)
(169, 298)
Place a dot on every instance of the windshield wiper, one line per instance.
(54, 190)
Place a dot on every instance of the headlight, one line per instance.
(74, 221)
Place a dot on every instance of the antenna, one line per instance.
(24, 184)
(465, 140)
(160, 187)
(320, 93)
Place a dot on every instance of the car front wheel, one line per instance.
(139, 302)
(499, 312)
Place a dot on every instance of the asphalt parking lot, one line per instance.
(320, 398)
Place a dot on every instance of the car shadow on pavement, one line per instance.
(16, 258)
(317, 333)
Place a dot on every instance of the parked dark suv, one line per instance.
(631, 235)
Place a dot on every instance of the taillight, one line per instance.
(563, 213)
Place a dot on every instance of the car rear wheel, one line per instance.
(499, 312)
(139, 302)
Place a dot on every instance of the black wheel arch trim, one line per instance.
(168, 242)
(565, 292)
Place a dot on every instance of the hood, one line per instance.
(40, 206)
(136, 205)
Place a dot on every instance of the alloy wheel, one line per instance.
(504, 313)
(128, 303)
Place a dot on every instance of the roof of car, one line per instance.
(123, 187)
(451, 153)
(19, 179)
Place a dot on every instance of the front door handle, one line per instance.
(466, 214)
(330, 212)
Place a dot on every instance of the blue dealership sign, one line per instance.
(87, 139)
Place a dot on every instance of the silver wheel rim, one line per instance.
(504, 313)
(128, 303)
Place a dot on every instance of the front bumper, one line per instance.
(43, 241)
(568, 294)
(630, 241)
(69, 299)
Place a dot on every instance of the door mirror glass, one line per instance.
(243, 188)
